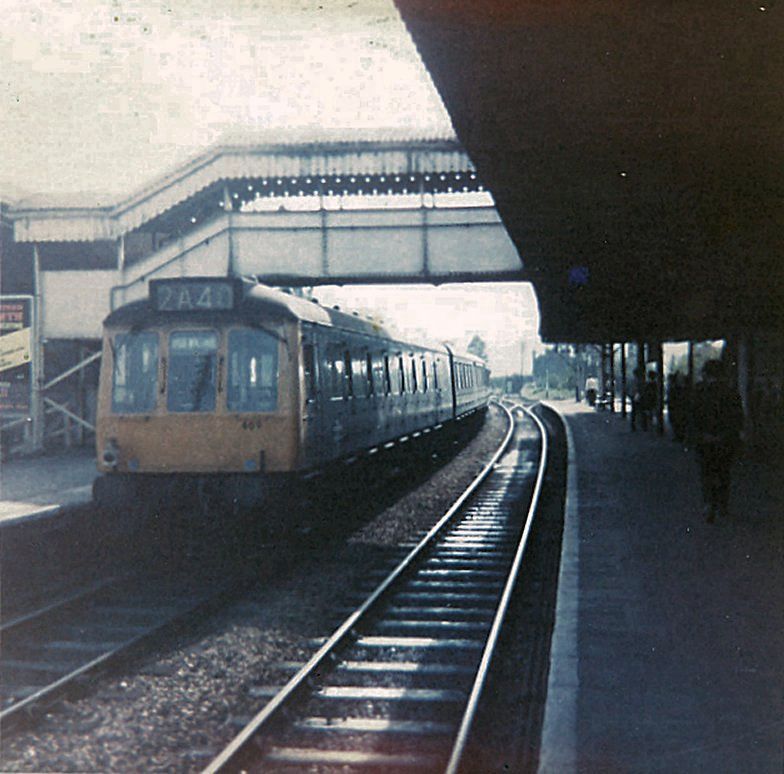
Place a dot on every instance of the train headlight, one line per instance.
(111, 453)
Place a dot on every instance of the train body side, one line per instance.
(362, 391)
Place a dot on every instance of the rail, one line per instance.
(242, 749)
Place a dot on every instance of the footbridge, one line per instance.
(296, 214)
(288, 215)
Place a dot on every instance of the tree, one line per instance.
(477, 347)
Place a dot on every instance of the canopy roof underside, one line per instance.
(634, 151)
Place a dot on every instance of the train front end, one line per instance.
(197, 396)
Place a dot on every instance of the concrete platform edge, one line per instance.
(78, 497)
(558, 751)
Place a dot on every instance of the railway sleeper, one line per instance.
(369, 735)
(350, 760)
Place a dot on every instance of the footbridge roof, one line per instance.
(300, 157)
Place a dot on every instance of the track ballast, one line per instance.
(397, 686)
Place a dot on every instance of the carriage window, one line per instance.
(359, 376)
(402, 375)
(378, 375)
(435, 375)
(371, 388)
(309, 367)
(192, 356)
(337, 369)
(413, 375)
(135, 374)
(253, 371)
(424, 375)
(349, 380)
(387, 377)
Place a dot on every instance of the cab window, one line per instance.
(253, 371)
(191, 383)
(135, 373)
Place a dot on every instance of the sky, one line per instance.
(106, 95)
(504, 314)
(100, 95)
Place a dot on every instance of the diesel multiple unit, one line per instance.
(230, 382)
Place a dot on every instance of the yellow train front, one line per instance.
(222, 388)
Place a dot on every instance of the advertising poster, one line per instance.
(15, 355)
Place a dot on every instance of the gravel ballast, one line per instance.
(173, 711)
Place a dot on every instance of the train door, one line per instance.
(313, 418)
(452, 367)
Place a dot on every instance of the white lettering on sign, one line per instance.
(189, 295)
(14, 349)
(205, 299)
(184, 299)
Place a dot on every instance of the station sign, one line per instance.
(16, 360)
(186, 294)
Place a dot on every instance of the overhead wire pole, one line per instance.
(623, 379)
(37, 408)
(660, 387)
(611, 352)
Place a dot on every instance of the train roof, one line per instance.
(466, 356)
(261, 301)
(255, 301)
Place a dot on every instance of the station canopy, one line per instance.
(634, 150)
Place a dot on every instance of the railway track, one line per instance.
(398, 684)
(59, 646)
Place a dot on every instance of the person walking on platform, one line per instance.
(650, 400)
(677, 406)
(638, 414)
(717, 424)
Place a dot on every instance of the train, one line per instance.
(228, 386)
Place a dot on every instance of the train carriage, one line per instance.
(224, 381)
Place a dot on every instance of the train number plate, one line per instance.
(191, 295)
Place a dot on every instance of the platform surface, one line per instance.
(33, 487)
(668, 653)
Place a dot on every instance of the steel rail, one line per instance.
(469, 714)
(108, 656)
(229, 757)
(78, 596)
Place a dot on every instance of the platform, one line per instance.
(668, 652)
(36, 487)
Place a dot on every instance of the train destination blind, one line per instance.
(193, 295)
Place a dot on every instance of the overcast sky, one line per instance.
(102, 96)
(504, 314)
